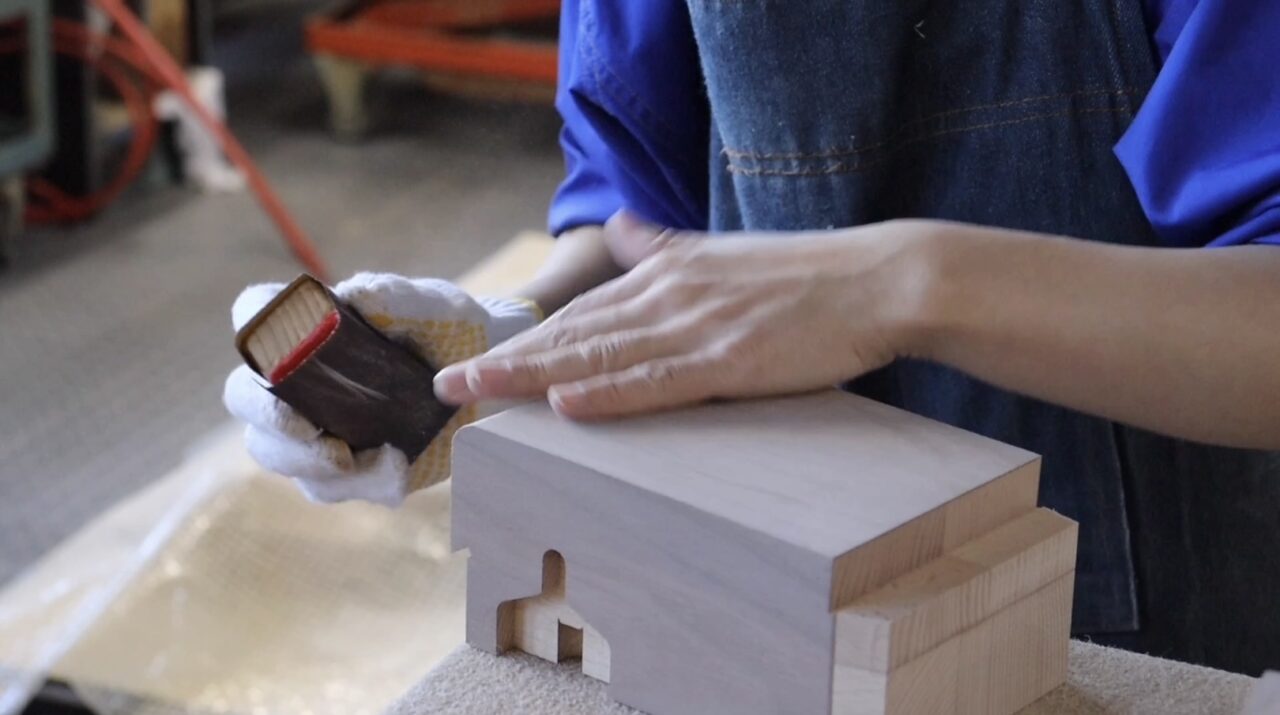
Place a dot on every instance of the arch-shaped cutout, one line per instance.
(546, 625)
(553, 573)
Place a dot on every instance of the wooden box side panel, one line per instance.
(995, 668)
(915, 612)
(928, 537)
(737, 624)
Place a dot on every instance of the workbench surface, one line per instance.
(1102, 681)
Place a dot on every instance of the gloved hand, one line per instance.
(437, 319)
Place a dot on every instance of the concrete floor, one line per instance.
(115, 335)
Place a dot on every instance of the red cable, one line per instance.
(102, 53)
(143, 54)
(62, 207)
(172, 76)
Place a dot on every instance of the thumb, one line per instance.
(631, 239)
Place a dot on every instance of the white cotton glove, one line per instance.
(437, 319)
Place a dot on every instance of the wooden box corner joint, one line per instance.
(820, 554)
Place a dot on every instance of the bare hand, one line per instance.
(702, 317)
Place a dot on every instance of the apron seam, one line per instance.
(858, 166)
(849, 151)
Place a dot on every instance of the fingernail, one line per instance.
(490, 378)
(450, 385)
(564, 399)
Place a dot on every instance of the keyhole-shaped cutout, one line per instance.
(546, 625)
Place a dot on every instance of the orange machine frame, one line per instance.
(439, 36)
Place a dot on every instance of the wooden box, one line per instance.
(816, 554)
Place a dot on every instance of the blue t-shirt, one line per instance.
(1203, 152)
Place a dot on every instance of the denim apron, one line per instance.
(831, 113)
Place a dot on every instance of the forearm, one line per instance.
(1182, 342)
(579, 262)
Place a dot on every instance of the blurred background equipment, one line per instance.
(502, 46)
(143, 557)
(140, 54)
(490, 47)
(136, 66)
(26, 106)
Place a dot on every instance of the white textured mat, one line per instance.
(1102, 681)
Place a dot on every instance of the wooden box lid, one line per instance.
(874, 490)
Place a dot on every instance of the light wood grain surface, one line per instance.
(826, 472)
(999, 666)
(735, 621)
(982, 630)
(916, 612)
(707, 546)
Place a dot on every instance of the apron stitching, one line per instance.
(736, 153)
(849, 168)
(1116, 71)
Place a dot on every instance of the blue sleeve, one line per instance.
(635, 115)
(1203, 153)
